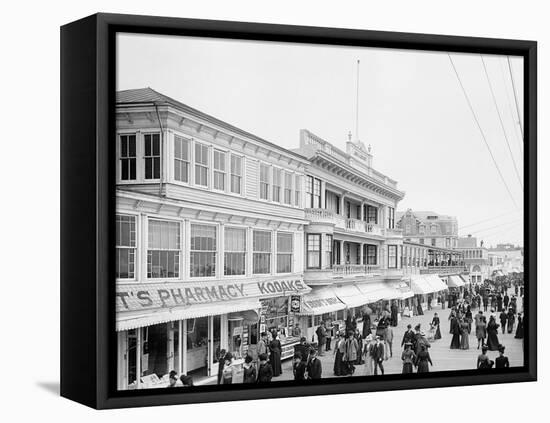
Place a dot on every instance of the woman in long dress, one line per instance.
(492, 334)
(409, 358)
(339, 350)
(465, 335)
(469, 319)
(483, 361)
(369, 361)
(436, 323)
(422, 360)
(455, 330)
(519, 330)
(275, 357)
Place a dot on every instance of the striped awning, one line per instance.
(426, 284)
(455, 281)
(379, 291)
(128, 321)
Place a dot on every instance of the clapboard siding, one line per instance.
(251, 178)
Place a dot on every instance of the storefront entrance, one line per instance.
(202, 343)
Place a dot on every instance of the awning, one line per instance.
(465, 279)
(378, 291)
(321, 301)
(133, 320)
(455, 281)
(426, 284)
(350, 295)
(404, 290)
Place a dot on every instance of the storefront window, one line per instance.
(203, 251)
(262, 252)
(160, 351)
(235, 251)
(276, 314)
(284, 252)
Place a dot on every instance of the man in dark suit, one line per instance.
(321, 336)
(377, 354)
(314, 368)
(408, 336)
(503, 318)
(506, 301)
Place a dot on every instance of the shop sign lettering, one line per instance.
(167, 295)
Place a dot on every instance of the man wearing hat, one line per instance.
(314, 368)
(408, 336)
(377, 354)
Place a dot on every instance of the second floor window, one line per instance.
(298, 191)
(235, 251)
(128, 157)
(236, 173)
(264, 181)
(277, 185)
(284, 252)
(181, 159)
(371, 254)
(163, 249)
(152, 156)
(288, 189)
(313, 251)
(433, 242)
(201, 164)
(261, 246)
(203, 251)
(392, 256)
(313, 192)
(391, 218)
(372, 215)
(219, 170)
(328, 251)
(125, 246)
(421, 240)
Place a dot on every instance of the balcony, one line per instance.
(341, 272)
(340, 222)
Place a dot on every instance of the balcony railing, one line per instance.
(443, 269)
(350, 225)
(342, 270)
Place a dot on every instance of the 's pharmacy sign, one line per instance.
(144, 296)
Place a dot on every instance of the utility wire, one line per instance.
(497, 226)
(515, 96)
(500, 120)
(514, 126)
(481, 130)
(487, 220)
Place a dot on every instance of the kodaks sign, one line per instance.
(141, 296)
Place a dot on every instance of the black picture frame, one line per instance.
(87, 205)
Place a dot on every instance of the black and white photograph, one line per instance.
(293, 212)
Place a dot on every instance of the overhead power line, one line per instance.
(515, 95)
(500, 120)
(496, 226)
(514, 121)
(487, 220)
(481, 130)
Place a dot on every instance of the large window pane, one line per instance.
(127, 157)
(392, 256)
(236, 174)
(181, 159)
(219, 170)
(313, 251)
(152, 156)
(203, 251)
(261, 246)
(264, 181)
(284, 252)
(235, 251)
(164, 249)
(126, 246)
(201, 164)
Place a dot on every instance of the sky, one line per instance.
(412, 112)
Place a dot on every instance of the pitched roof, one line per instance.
(149, 95)
(423, 215)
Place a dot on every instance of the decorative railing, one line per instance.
(341, 270)
(440, 270)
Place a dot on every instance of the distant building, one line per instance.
(476, 258)
(508, 258)
(428, 228)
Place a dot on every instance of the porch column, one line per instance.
(323, 195)
(362, 216)
(342, 256)
(361, 257)
(342, 203)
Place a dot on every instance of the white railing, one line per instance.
(341, 270)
